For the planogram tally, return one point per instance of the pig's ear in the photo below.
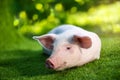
(84, 41)
(46, 40)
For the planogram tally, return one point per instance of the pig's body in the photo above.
(70, 46)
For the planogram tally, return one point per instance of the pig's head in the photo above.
(66, 51)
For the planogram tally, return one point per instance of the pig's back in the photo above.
(63, 28)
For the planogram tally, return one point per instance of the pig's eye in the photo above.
(68, 48)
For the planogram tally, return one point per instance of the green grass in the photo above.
(27, 62)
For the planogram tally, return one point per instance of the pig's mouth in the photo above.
(61, 66)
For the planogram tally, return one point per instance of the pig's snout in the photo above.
(50, 64)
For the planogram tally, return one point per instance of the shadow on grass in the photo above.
(24, 63)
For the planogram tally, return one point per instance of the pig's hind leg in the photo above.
(97, 55)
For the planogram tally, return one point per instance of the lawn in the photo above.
(27, 62)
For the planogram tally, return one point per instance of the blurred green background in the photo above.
(36, 17)
(25, 18)
(21, 57)
(39, 16)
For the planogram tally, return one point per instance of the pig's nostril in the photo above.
(49, 64)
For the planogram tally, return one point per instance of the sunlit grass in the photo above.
(28, 63)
